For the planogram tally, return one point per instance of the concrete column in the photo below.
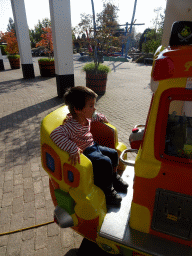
(1, 62)
(60, 13)
(176, 10)
(22, 33)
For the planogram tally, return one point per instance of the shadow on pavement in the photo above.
(29, 112)
(114, 67)
(22, 134)
(15, 84)
(88, 247)
(72, 252)
(6, 70)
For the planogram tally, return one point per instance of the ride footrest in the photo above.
(62, 218)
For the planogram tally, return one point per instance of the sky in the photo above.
(39, 9)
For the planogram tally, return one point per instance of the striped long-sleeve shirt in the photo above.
(72, 136)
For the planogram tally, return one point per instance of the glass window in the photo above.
(50, 162)
(179, 130)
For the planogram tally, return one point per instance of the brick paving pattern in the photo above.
(24, 192)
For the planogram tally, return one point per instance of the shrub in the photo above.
(11, 40)
(13, 56)
(45, 60)
(3, 51)
(101, 69)
(47, 40)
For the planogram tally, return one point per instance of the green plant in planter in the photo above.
(47, 67)
(96, 73)
(92, 68)
(96, 77)
(14, 61)
(46, 60)
(16, 56)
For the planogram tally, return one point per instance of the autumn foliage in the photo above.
(11, 40)
(47, 40)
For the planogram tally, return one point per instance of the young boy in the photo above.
(74, 136)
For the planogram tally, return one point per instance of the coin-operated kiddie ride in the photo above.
(155, 217)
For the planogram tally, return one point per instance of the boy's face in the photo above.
(89, 108)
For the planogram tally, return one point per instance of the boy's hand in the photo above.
(75, 158)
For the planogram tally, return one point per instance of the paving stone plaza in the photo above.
(24, 192)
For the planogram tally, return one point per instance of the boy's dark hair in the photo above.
(76, 97)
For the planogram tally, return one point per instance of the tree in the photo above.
(86, 23)
(153, 41)
(107, 30)
(108, 27)
(84, 30)
(47, 40)
(153, 36)
(108, 17)
(35, 34)
(137, 39)
(2, 38)
(143, 38)
(11, 40)
(11, 26)
(158, 22)
(32, 38)
(73, 34)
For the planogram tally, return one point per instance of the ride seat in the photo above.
(63, 175)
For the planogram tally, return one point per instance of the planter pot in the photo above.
(14, 63)
(47, 68)
(96, 82)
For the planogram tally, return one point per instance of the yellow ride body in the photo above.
(87, 201)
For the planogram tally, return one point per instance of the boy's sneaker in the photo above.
(119, 184)
(112, 198)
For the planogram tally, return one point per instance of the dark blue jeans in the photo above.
(104, 160)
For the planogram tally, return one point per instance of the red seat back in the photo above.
(103, 134)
